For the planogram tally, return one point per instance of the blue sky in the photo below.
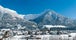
(63, 7)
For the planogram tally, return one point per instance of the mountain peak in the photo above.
(49, 12)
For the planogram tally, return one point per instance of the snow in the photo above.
(31, 16)
(50, 26)
(44, 37)
(19, 36)
(5, 29)
(64, 36)
(73, 34)
(11, 12)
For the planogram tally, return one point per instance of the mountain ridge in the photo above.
(11, 19)
(52, 18)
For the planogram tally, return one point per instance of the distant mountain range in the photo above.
(50, 17)
(11, 19)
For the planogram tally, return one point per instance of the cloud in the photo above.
(11, 12)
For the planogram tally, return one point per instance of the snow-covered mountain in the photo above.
(31, 16)
(11, 19)
(50, 17)
(6, 11)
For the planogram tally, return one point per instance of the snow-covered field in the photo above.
(46, 37)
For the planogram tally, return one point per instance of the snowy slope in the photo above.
(11, 19)
(31, 16)
(10, 12)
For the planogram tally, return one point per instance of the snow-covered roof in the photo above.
(19, 36)
(50, 26)
(5, 29)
